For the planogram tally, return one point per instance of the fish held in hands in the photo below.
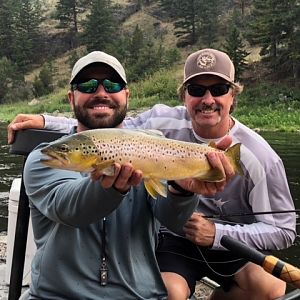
(159, 158)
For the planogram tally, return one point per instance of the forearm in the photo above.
(258, 235)
(61, 124)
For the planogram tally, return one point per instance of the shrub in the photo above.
(162, 85)
(43, 83)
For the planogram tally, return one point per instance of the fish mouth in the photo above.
(57, 159)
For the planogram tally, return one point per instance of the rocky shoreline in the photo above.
(3, 243)
(3, 287)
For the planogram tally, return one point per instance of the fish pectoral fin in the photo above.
(107, 167)
(213, 175)
(155, 187)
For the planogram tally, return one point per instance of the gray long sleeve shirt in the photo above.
(67, 210)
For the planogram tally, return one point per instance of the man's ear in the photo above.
(71, 99)
(127, 96)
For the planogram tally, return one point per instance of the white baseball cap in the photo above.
(98, 57)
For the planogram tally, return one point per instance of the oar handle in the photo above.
(282, 270)
(270, 264)
(242, 250)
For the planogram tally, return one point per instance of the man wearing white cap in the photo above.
(209, 94)
(96, 236)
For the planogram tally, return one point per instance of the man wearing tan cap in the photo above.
(209, 94)
(96, 235)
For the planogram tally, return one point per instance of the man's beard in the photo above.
(100, 120)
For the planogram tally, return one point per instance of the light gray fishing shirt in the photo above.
(264, 186)
(67, 211)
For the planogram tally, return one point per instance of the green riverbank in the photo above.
(271, 118)
(265, 106)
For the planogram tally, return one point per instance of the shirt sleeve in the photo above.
(61, 124)
(174, 211)
(270, 231)
(258, 235)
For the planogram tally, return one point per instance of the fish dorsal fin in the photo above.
(234, 154)
(107, 167)
(152, 132)
(155, 187)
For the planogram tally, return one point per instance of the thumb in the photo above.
(224, 143)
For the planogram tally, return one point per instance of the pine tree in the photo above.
(12, 83)
(241, 5)
(209, 24)
(275, 28)
(290, 53)
(235, 48)
(26, 28)
(193, 19)
(67, 12)
(136, 43)
(184, 15)
(268, 26)
(7, 34)
(100, 27)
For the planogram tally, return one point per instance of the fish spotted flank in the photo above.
(159, 158)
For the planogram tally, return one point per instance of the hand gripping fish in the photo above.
(159, 158)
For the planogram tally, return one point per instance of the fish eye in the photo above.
(64, 148)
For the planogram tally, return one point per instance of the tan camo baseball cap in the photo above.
(209, 61)
(98, 57)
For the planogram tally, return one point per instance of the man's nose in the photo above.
(207, 97)
(101, 91)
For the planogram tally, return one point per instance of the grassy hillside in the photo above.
(264, 107)
(258, 105)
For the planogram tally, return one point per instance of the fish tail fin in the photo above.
(234, 154)
(155, 187)
(213, 175)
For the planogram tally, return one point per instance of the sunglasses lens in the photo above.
(91, 86)
(112, 87)
(216, 90)
(196, 90)
(88, 87)
(219, 89)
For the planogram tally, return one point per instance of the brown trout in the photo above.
(159, 158)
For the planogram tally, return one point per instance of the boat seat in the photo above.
(25, 142)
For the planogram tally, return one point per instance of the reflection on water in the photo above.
(10, 168)
(287, 145)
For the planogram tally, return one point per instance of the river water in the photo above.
(287, 145)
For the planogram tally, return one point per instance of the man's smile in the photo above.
(207, 109)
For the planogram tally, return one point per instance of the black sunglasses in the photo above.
(216, 90)
(91, 86)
